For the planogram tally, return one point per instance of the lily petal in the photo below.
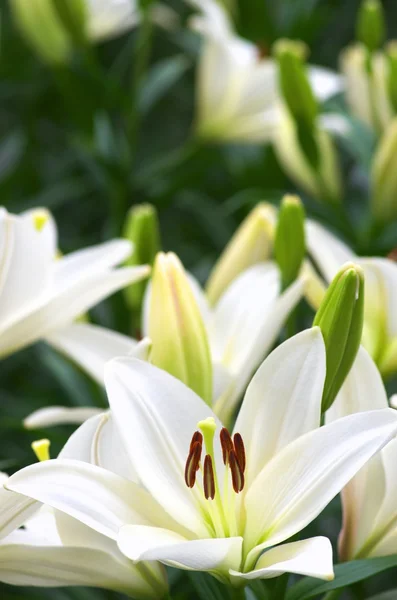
(283, 400)
(248, 324)
(78, 266)
(328, 252)
(14, 509)
(59, 415)
(98, 442)
(66, 306)
(25, 560)
(98, 498)
(302, 479)
(25, 283)
(362, 497)
(312, 557)
(151, 543)
(91, 346)
(156, 416)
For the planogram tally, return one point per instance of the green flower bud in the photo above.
(51, 27)
(142, 229)
(384, 176)
(73, 16)
(340, 318)
(252, 243)
(294, 82)
(370, 27)
(391, 57)
(289, 246)
(323, 182)
(179, 339)
(298, 95)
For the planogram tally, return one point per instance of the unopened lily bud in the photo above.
(370, 28)
(73, 15)
(179, 339)
(323, 182)
(340, 318)
(298, 95)
(384, 176)
(142, 229)
(368, 93)
(252, 243)
(289, 245)
(294, 81)
(51, 27)
(391, 57)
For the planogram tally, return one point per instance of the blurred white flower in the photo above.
(253, 498)
(238, 96)
(109, 18)
(40, 293)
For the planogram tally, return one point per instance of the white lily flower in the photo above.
(238, 92)
(218, 513)
(380, 320)
(40, 293)
(369, 508)
(241, 329)
(55, 550)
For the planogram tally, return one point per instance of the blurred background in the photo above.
(94, 137)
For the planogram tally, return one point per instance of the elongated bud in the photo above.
(142, 229)
(323, 182)
(391, 83)
(252, 243)
(289, 246)
(294, 81)
(73, 16)
(384, 176)
(340, 318)
(51, 27)
(179, 339)
(370, 27)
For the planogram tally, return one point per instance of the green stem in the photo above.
(238, 593)
(142, 55)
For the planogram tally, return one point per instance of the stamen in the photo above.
(208, 478)
(239, 450)
(197, 437)
(40, 218)
(192, 464)
(226, 443)
(41, 448)
(237, 473)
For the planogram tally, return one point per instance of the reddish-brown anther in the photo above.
(192, 464)
(208, 478)
(240, 451)
(197, 437)
(226, 443)
(237, 473)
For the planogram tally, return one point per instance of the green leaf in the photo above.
(389, 595)
(345, 574)
(160, 80)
